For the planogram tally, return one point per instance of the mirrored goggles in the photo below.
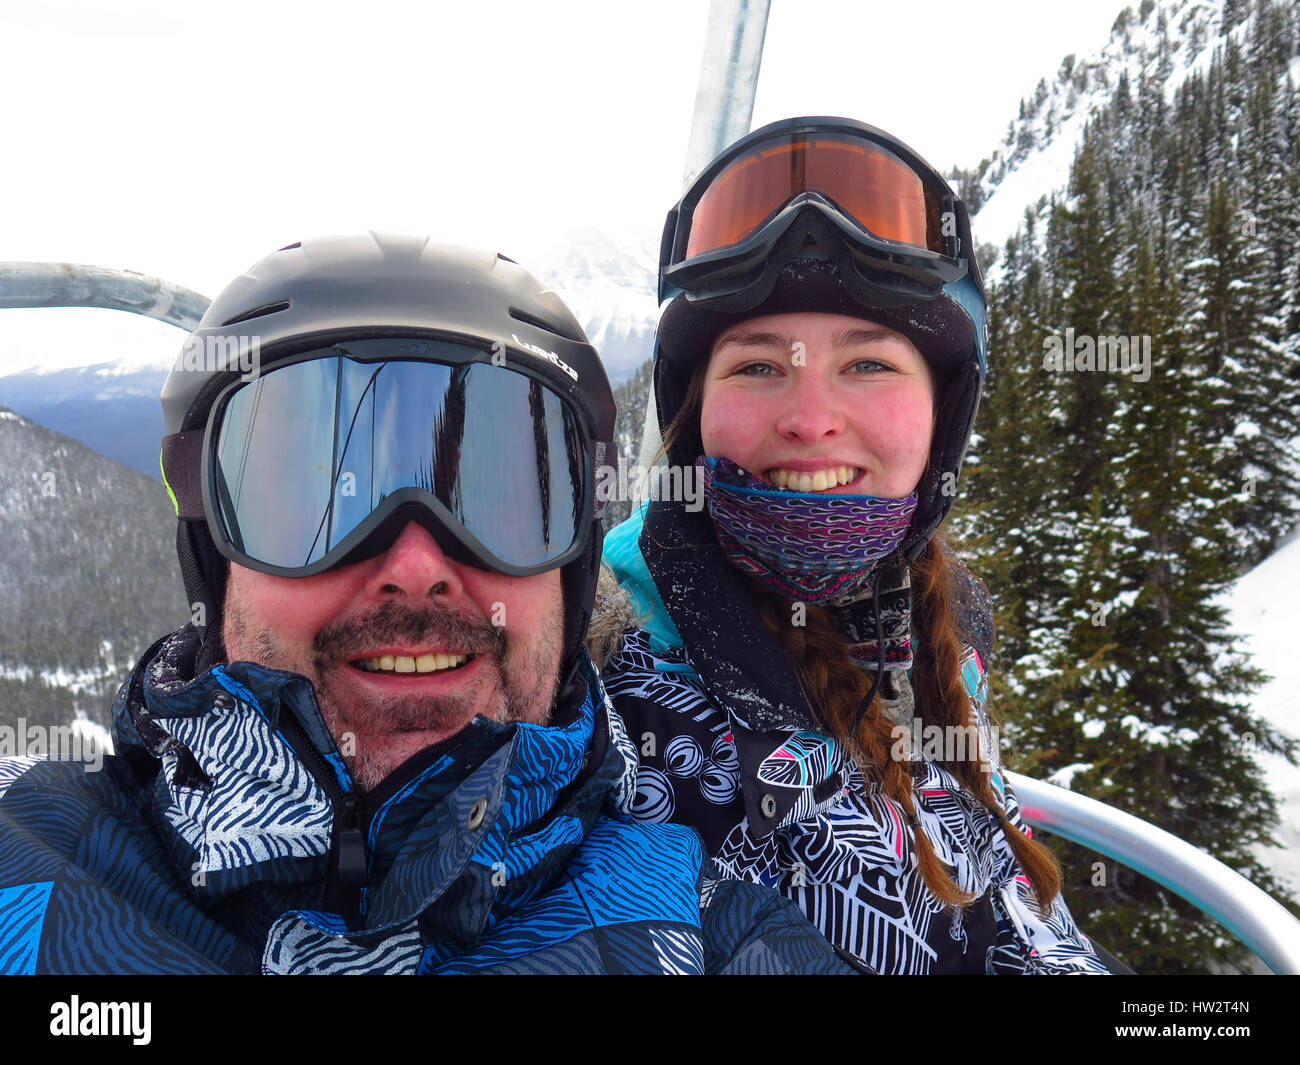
(312, 461)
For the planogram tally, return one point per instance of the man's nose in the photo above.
(811, 411)
(414, 567)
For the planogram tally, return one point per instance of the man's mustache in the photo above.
(440, 627)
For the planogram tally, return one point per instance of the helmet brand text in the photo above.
(549, 356)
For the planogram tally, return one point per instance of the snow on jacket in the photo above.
(729, 746)
(226, 836)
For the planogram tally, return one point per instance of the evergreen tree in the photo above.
(1250, 399)
(1172, 748)
(1112, 512)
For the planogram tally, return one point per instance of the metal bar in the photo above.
(724, 106)
(1250, 914)
(724, 97)
(76, 285)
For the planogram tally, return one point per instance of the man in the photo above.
(380, 746)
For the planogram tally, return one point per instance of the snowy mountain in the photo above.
(112, 412)
(88, 573)
(609, 284)
(1165, 42)
(92, 374)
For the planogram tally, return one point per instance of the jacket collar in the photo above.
(481, 818)
(748, 671)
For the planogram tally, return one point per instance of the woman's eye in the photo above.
(870, 366)
(755, 369)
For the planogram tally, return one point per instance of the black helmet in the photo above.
(334, 290)
(807, 251)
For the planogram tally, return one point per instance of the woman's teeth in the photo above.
(431, 663)
(816, 481)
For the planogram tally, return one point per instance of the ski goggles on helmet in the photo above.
(324, 457)
(864, 198)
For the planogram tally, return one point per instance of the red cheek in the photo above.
(901, 425)
(730, 425)
(302, 607)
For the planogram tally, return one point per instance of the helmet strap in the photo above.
(204, 571)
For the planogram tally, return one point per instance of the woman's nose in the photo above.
(811, 411)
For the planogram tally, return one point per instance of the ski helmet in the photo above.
(390, 312)
(830, 215)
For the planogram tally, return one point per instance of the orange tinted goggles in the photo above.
(875, 188)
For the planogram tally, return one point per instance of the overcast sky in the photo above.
(188, 139)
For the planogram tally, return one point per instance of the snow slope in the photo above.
(1034, 160)
(1265, 608)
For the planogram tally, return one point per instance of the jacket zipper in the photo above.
(348, 863)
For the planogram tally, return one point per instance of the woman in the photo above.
(807, 685)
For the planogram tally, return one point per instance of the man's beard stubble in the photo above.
(529, 676)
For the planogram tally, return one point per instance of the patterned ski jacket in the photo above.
(729, 746)
(226, 836)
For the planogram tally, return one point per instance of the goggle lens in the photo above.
(877, 189)
(308, 451)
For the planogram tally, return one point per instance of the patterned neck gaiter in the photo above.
(808, 546)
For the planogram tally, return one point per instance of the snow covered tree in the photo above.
(1113, 511)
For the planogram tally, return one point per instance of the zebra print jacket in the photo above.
(225, 835)
(729, 746)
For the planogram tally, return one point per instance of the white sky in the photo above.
(188, 139)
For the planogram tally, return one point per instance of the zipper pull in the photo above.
(352, 844)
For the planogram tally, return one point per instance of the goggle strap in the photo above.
(606, 455)
(181, 463)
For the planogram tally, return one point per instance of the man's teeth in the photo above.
(816, 481)
(431, 663)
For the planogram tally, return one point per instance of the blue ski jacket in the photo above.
(226, 836)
